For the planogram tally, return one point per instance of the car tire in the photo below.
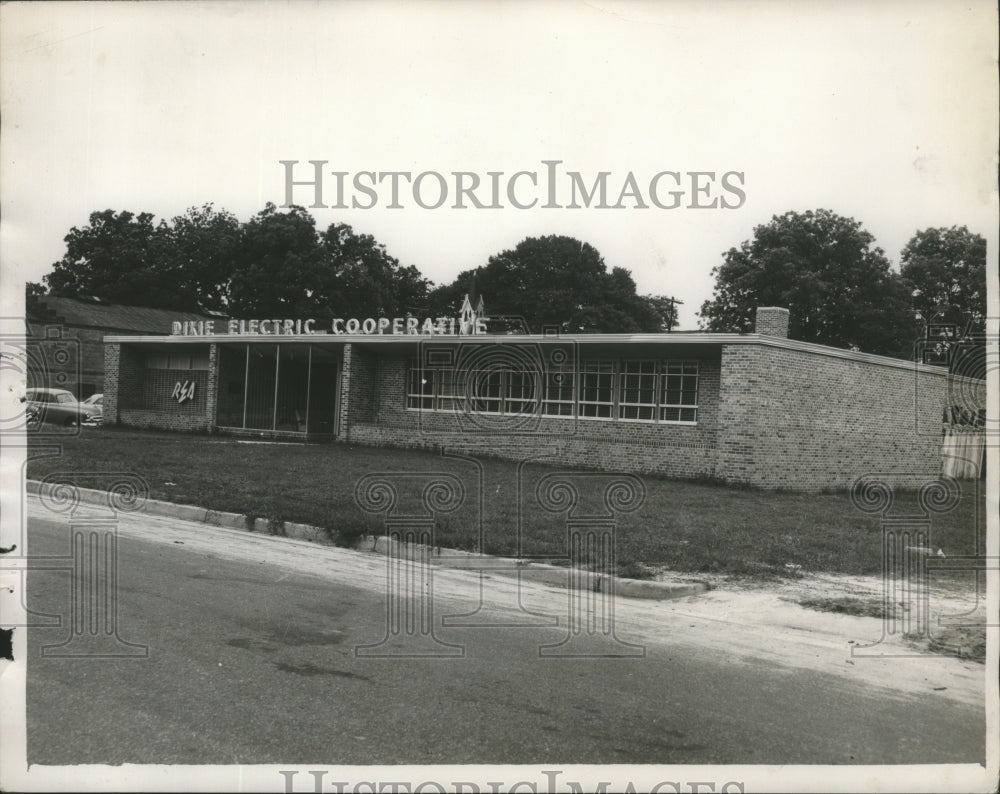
(70, 422)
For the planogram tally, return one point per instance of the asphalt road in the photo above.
(251, 659)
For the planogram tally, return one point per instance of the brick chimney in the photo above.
(772, 320)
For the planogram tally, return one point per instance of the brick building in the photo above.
(757, 408)
(65, 338)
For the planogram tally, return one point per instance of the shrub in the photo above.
(347, 535)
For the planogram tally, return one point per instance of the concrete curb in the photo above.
(542, 573)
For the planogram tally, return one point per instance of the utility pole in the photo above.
(673, 311)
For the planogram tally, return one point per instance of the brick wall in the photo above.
(126, 366)
(160, 420)
(112, 354)
(212, 386)
(158, 386)
(806, 420)
(767, 416)
(772, 321)
(359, 395)
(379, 417)
(141, 397)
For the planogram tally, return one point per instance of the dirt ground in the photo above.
(956, 614)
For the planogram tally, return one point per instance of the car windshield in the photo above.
(64, 397)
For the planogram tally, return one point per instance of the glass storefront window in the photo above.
(286, 388)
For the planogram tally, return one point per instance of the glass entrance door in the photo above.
(282, 388)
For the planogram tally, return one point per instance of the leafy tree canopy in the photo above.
(280, 270)
(369, 277)
(126, 258)
(274, 265)
(826, 270)
(946, 270)
(553, 282)
(118, 256)
(201, 255)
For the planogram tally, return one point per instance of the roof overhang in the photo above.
(388, 342)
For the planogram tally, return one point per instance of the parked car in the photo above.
(96, 400)
(60, 407)
(32, 418)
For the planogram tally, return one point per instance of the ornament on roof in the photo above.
(472, 321)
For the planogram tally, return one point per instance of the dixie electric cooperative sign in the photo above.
(430, 326)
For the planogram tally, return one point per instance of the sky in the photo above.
(885, 112)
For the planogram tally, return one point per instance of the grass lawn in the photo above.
(686, 526)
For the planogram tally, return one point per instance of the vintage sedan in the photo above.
(60, 407)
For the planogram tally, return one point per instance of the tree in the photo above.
(369, 281)
(285, 269)
(201, 256)
(279, 270)
(275, 265)
(126, 258)
(119, 257)
(946, 270)
(826, 270)
(555, 282)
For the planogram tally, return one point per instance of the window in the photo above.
(492, 390)
(559, 391)
(679, 394)
(188, 359)
(597, 388)
(635, 390)
(521, 392)
(449, 389)
(420, 392)
(485, 391)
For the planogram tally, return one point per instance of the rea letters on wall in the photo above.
(183, 391)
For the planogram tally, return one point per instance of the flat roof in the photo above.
(685, 339)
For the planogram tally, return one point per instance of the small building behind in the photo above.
(65, 338)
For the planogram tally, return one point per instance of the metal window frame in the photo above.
(679, 407)
(585, 370)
